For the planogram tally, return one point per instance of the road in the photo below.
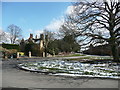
(14, 77)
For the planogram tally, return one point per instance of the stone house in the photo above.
(34, 45)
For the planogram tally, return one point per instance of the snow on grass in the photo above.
(74, 68)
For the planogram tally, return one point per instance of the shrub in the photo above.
(11, 46)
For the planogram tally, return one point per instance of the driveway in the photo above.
(14, 77)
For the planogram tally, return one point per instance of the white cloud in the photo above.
(69, 10)
(34, 32)
(55, 24)
(30, 30)
(38, 32)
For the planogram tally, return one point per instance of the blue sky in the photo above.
(32, 16)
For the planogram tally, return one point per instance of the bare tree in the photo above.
(97, 21)
(15, 33)
(3, 37)
(50, 35)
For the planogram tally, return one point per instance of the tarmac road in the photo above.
(14, 77)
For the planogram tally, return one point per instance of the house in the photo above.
(34, 45)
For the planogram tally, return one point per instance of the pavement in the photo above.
(13, 77)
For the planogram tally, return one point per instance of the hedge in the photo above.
(11, 46)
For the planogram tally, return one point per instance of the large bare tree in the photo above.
(96, 22)
(15, 33)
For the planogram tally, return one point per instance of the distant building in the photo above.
(35, 45)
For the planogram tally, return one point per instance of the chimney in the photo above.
(36, 36)
(31, 35)
(41, 36)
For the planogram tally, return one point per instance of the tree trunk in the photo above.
(115, 52)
